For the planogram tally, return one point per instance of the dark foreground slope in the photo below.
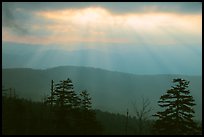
(25, 117)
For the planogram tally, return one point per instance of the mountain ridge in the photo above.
(131, 59)
(111, 91)
(102, 69)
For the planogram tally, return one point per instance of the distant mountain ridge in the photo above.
(122, 58)
(110, 91)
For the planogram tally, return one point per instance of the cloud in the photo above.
(9, 20)
(96, 24)
(56, 39)
(115, 7)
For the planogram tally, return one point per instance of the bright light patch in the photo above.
(146, 39)
(97, 24)
(103, 18)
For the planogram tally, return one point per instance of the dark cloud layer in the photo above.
(13, 20)
(9, 19)
(117, 7)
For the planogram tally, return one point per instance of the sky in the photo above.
(160, 29)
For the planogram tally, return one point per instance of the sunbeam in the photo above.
(96, 28)
(91, 60)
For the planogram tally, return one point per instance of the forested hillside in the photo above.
(111, 91)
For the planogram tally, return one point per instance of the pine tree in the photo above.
(85, 100)
(88, 122)
(63, 101)
(73, 114)
(63, 95)
(177, 117)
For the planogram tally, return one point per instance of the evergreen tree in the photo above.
(64, 101)
(63, 95)
(73, 114)
(88, 123)
(85, 100)
(177, 117)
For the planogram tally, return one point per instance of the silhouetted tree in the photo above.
(10, 92)
(142, 115)
(85, 100)
(177, 117)
(65, 95)
(74, 113)
(88, 122)
(63, 100)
